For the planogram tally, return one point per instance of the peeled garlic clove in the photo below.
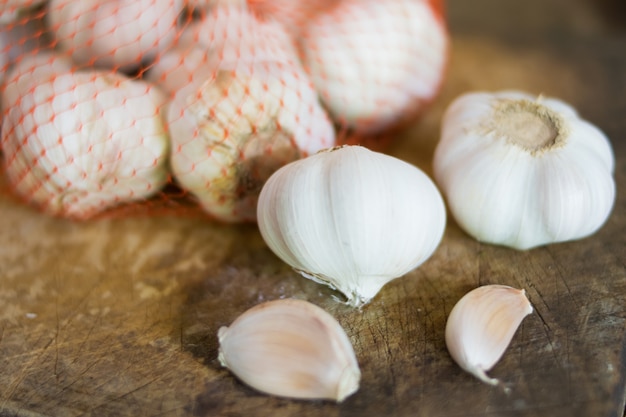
(290, 348)
(78, 142)
(351, 218)
(523, 171)
(481, 326)
(257, 112)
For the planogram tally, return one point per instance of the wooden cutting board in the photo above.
(118, 317)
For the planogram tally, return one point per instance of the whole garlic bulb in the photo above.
(523, 171)
(78, 142)
(291, 348)
(114, 33)
(376, 63)
(256, 112)
(351, 218)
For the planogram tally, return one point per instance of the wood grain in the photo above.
(118, 317)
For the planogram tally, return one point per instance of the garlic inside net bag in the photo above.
(179, 103)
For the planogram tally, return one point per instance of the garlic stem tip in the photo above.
(480, 373)
(348, 383)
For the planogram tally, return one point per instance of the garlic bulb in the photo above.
(481, 325)
(522, 171)
(291, 348)
(376, 63)
(114, 33)
(77, 142)
(351, 218)
(255, 113)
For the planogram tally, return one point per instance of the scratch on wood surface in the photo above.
(11, 409)
(21, 376)
(547, 329)
(563, 280)
(119, 397)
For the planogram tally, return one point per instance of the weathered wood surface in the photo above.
(118, 317)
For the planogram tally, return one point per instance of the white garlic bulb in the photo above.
(351, 218)
(523, 171)
(481, 326)
(255, 113)
(78, 142)
(291, 348)
(376, 62)
(114, 33)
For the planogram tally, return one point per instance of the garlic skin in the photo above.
(256, 112)
(290, 348)
(351, 218)
(481, 325)
(376, 63)
(78, 142)
(523, 171)
(114, 33)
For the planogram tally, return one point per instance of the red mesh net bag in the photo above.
(195, 103)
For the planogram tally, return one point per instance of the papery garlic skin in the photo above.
(114, 33)
(351, 218)
(78, 142)
(256, 112)
(376, 62)
(291, 348)
(481, 326)
(523, 171)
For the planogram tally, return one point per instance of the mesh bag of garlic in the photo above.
(188, 106)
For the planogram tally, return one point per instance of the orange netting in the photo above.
(187, 106)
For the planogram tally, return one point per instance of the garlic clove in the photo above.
(481, 326)
(290, 348)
